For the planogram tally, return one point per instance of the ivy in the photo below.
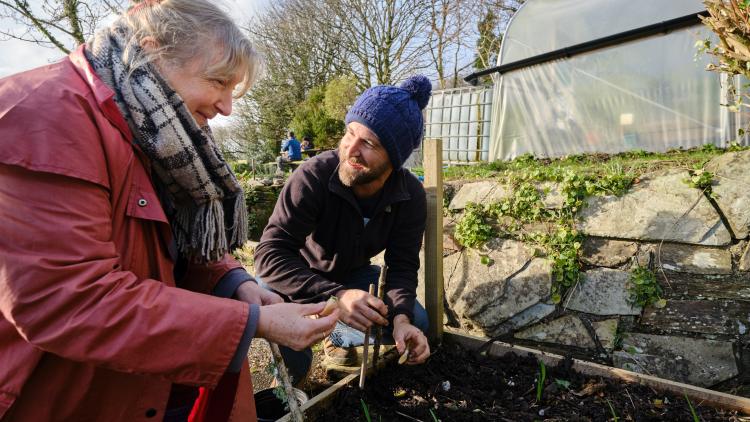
(563, 249)
(643, 288)
(525, 204)
(473, 230)
(701, 179)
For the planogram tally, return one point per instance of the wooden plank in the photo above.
(318, 403)
(684, 286)
(696, 394)
(433, 237)
(699, 316)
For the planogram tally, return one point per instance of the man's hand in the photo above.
(288, 324)
(360, 310)
(250, 292)
(406, 334)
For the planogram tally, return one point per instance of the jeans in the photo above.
(298, 363)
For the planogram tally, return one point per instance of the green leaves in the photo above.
(365, 410)
(473, 230)
(644, 289)
(524, 205)
(540, 381)
(700, 179)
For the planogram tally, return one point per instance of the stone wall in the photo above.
(260, 198)
(696, 244)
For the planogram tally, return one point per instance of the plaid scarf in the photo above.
(210, 218)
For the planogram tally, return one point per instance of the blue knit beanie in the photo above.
(394, 114)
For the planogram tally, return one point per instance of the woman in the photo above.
(117, 214)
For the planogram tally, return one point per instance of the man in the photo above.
(307, 143)
(290, 151)
(343, 207)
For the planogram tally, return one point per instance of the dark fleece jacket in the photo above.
(317, 236)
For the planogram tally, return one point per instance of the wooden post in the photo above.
(433, 237)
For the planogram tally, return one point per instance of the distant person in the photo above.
(341, 208)
(291, 150)
(307, 143)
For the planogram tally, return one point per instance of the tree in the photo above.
(449, 21)
(383, 39)
(488, 43)
(311, 119)
(61, 24)
(340, 94)
(298, 57)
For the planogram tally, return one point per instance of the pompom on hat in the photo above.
(394, 114)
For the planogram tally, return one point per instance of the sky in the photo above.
(17, 56)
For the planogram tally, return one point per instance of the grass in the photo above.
(612, 410)
(692, 410)
(540, 381)
(434, 418)
(366, 410)
(635, 162)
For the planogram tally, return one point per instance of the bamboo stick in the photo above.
(283, 376)
(379, 329)
(363, 370)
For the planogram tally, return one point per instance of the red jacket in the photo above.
(92, 326)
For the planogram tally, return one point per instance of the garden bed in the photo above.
(457, 383)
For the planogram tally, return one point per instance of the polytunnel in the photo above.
(605, 76)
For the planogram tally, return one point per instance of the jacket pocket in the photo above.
(148, 235)
(144, 204)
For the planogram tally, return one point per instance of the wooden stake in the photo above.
(433, 237)
(379, 328)
(363, 370)
(291, 398)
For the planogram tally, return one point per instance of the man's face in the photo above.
(363, 159)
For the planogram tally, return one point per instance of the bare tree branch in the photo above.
(56, 23)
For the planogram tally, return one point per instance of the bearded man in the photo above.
(341, 208)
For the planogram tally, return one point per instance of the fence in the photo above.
(461, 118)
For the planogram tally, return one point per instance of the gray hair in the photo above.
(187, 29)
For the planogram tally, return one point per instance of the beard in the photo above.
(353, 177)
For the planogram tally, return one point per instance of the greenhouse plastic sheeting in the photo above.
(652, 94)
(541, 26)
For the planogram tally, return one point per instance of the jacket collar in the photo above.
(394, 189)
(102, 93)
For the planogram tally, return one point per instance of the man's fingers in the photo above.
(377, 304)
(419, 348)
(358, 322)
(373, 316)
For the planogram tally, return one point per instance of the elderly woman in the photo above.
(118, 296)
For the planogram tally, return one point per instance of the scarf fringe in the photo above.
(206, 239)
(239, 230)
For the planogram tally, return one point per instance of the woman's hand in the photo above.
(288, 324)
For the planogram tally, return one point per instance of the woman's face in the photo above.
(204, 96)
